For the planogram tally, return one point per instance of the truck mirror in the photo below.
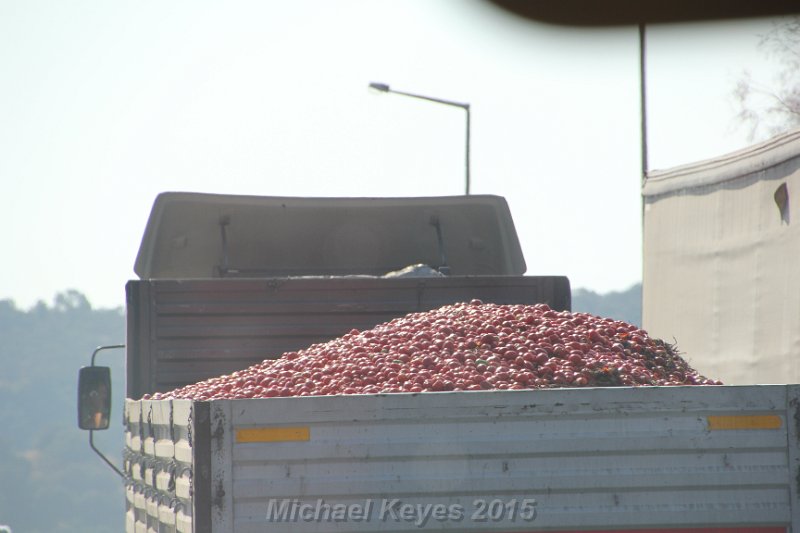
(94, 397)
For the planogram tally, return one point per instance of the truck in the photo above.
(227, 281)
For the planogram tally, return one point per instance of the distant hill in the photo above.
(52, 481)
(624, 305)
(59, 484)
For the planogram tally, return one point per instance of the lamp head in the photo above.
(382, 87)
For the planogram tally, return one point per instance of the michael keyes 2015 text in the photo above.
(395, 510)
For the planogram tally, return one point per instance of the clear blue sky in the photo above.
(105, 104)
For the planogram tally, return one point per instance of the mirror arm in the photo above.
(91, 431)
(101, 348)
(102, 456)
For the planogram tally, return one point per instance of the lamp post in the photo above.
(382, 87)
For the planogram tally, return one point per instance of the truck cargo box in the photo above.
(228, 281)
(699, 459)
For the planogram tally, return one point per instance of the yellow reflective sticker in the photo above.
(745, 422)
(279, 434)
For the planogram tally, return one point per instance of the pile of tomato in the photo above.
(463, 347)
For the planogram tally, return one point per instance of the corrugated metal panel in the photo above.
(641, 458)
(181, 332)
(619, 458)
(594, 458)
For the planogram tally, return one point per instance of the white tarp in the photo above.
(722, 262)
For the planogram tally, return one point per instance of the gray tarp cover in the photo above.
(721, 254)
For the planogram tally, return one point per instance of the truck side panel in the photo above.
(649, 458)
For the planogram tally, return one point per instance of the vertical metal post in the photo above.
(643, 97)
(466, 108)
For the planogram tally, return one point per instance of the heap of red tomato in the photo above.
(463, 347)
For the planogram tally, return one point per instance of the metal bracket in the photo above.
(224, 267)
(436, 223)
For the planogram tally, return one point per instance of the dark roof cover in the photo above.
(632, 12)
(193, 235)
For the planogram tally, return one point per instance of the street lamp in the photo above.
(384, 88)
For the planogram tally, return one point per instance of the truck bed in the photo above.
(185, 331)
(721, 458)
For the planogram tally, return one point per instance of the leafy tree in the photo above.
(45, 461)
(71, 300)
(769, 109)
